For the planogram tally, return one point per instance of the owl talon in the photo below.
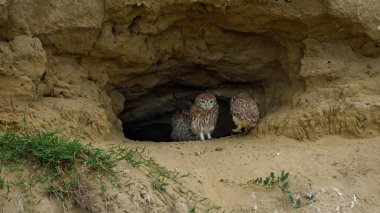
(202, 137)
(234, 134)
(237, 130)
(244, 131)
(209, 136)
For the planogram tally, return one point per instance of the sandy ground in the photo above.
(344, 173)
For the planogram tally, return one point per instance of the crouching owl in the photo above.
(245, 112)
(203, 115)
(181, 129)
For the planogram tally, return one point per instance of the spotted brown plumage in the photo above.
(245, 112)
(203, 115)
(181, 129)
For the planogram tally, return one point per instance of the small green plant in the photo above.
(196, 199)
(163, 172)
(131, 156)
(158, 182)
(282, 180)
(192, 210)
(271, 180)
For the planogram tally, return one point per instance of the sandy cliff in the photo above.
(313, 66)
(96, 67)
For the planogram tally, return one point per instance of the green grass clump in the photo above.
(65, 165)
(67, 168)
(52, 152)
(60, 163)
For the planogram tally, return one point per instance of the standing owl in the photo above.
(245, 112)
(181, 129)
(203, 115)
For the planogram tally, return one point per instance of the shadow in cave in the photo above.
(157, 127)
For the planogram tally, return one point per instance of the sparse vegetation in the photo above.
(66, 167)
(55, 154)
(158, 182)
(282, 180)
(196, 199)
(60, 162)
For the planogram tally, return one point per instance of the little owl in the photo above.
(203, 115)
(245, 112)
(181, 130)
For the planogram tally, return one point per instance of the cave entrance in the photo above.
(156, 124)
(148, 112)
(195, 55)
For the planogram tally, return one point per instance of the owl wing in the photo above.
(181, 128)
(245, 109)
(215, 112)
(193, 113)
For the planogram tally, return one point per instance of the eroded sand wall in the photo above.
(71, 64)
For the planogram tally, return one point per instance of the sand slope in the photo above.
(336, 168)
